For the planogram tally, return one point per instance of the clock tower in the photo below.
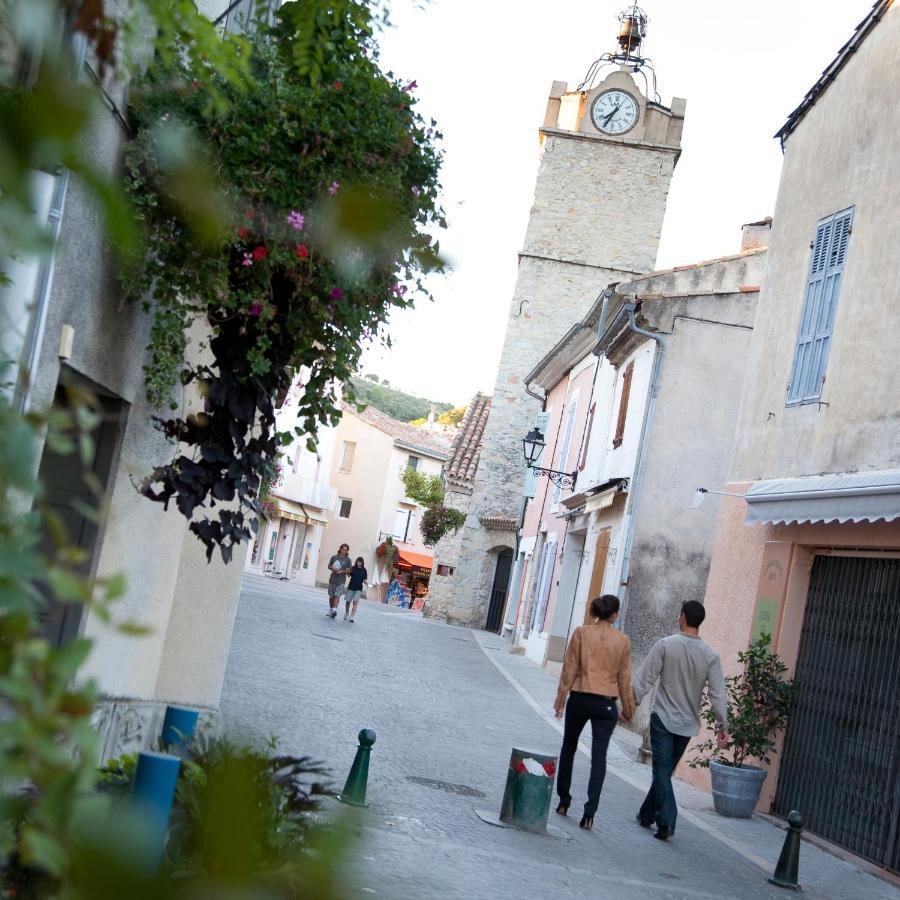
(608, 149)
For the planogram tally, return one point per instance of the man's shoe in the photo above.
(334, 614)
(662, 833)
(643, 822)
(351, 618)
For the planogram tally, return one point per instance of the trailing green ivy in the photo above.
(328, 183)
(438, 520)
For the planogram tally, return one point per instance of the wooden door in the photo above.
(600, 553)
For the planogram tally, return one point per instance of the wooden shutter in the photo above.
(623, 404)
(601, 552)
(563, 463)
(823, 287)
(586, 440)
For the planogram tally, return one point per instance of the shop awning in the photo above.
(287, 509)
(416, 559)
(861, 497)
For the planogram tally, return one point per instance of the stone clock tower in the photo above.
(607, 153)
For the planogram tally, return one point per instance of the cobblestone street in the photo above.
(447, 705)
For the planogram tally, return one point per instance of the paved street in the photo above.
(447, 705)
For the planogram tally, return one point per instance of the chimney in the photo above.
(755, 235)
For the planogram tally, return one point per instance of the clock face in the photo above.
(615, 112)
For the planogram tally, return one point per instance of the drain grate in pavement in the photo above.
(328, 637)
(447, 786)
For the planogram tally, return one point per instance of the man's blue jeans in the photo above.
(667, 748)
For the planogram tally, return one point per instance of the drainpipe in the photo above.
(637, 480)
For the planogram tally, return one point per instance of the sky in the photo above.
(484, 70)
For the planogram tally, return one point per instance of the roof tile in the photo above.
(466, 449)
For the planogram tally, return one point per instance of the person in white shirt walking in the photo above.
(683, 665)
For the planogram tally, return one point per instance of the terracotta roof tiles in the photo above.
(410, 436)
(466, 449)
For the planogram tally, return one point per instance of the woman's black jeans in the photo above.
(603, 715)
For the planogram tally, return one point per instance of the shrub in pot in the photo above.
(759, 701)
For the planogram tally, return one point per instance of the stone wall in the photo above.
(442, 588)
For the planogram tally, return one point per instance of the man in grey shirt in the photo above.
(684, 665)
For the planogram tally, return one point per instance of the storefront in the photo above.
(287, 546)
(409, 586)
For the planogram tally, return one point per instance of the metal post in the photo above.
(153, 792)
(529, 790)
(788, 867)
(354, 793)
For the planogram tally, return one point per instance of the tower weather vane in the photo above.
(632, 31)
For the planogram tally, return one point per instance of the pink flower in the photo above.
(296, 220)
(256, 309)
(247, 260)
(302, 251)
(260, 252)
(397, 289)
(243, 233)
(334, 187)
(411, 86)
(336, 294)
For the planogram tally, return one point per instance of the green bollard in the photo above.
(788, 867)
(354, 793)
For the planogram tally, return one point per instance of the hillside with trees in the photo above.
(395, 403)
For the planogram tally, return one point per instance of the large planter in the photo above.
(735, 790)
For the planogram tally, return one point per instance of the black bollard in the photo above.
(789, 862)
(354, 793)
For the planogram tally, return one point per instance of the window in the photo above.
(623, 404)
(445, 570)
(344, 508)
(347, 454)
(401, 523)
(413, 463)
(823, 286)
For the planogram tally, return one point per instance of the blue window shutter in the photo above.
(817, 318)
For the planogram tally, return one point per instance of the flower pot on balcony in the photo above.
(735, 789)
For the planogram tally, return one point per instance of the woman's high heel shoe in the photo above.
(562, 809)
(587, 823)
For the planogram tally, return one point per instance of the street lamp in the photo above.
(532, 447)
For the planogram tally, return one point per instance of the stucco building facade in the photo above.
(807, 543)
(75, 330)
(371, 450)
(642, 397)
(598, 208)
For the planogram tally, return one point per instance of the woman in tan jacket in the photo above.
(596, 673)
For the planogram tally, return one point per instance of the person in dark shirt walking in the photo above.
(339, 565)
(358, 580)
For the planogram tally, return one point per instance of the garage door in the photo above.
(841, 765)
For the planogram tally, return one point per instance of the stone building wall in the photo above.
(596, 219)
(442, 588)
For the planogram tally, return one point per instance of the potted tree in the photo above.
(759, 701)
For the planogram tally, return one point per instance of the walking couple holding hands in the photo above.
(597, 672)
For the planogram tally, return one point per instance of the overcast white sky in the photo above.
(484, 70)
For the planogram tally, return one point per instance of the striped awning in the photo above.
(298, 512)
(860, 497)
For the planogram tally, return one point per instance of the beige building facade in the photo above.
(807, 544)
(371, 450)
